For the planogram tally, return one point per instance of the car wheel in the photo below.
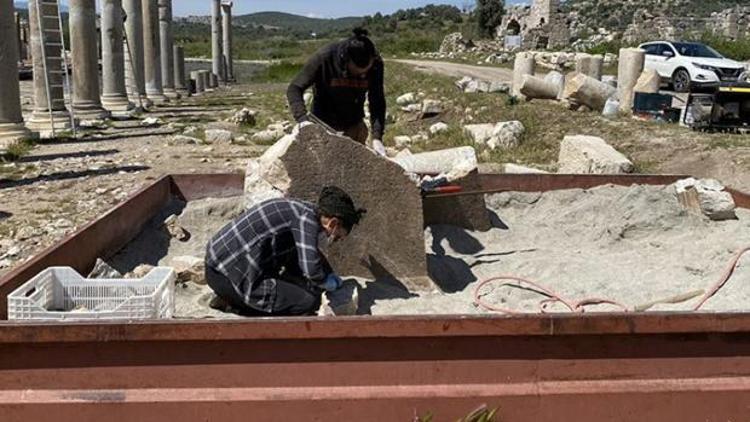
(681, 80)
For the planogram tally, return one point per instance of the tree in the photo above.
(489, 14)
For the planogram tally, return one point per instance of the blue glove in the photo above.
(332, 283)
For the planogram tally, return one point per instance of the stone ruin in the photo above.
(541, 25)
(733, 23)
(153, 73)
(648, 27)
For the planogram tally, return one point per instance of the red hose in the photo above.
(553, 297)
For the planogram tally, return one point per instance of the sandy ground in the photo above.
(633, 245)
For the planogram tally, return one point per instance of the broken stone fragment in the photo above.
(406, 99)
(140, 271)
(402, 141)
(244, 117)
(219, 136)
(438, 128)
(649, 82)
(591, 155)
(184, 140)
(151, 122)
(588, 91)
(431, 108)
(506, 135)
(707, 197)
(103, 270)
(175, 230)
(412, 108)
(479, 133)
(189, 269)
(511, 168)
(502, 135)
(463, 82)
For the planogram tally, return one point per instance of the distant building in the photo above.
(541, 25)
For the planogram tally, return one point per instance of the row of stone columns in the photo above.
(140, 63)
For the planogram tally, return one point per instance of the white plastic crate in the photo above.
(60, 293)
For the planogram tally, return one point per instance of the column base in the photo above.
(12, 132)
(157, 98)
(40, 122)
(117, 103)
(89, 111)
(172, 94)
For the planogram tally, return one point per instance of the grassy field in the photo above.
(546, 122)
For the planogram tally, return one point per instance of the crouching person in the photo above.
(268, 262)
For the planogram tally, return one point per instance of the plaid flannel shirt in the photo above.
(251, 250)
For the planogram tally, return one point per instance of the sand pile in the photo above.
(633, 245)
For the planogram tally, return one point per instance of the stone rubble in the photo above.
(591, 155)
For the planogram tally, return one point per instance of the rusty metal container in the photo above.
(603, 367)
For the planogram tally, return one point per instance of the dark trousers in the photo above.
(292, 299)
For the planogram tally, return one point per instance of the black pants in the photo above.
(292, 299)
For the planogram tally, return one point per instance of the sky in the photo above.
(311, 8)
(314, 8)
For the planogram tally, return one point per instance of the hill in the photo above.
(298, 25)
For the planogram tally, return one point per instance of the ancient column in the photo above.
(206, 79)
(167, 56)
(17, 19)
(11, 121)
(524, 65)
(197, 79)
(228, 62)
(178, 56)
(83, 50)
(590, 65)
(216, 49)
(134, 78)
(114, 94)
(44, 118)
(629, 70)
(152, 52)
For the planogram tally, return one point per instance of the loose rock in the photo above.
(591, 155)
(438, 128)
(219, 136)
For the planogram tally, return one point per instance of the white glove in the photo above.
(378, 146)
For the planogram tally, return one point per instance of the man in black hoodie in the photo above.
(342, 75)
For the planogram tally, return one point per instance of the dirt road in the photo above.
(458, 70)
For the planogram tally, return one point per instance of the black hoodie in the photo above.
(338, 97)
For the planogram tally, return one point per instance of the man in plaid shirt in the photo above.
(267, 261)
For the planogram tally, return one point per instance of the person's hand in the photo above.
(378, 146)
(332, 283)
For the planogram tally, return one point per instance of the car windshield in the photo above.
(697, 50)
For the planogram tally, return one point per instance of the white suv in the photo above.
(690, 65)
